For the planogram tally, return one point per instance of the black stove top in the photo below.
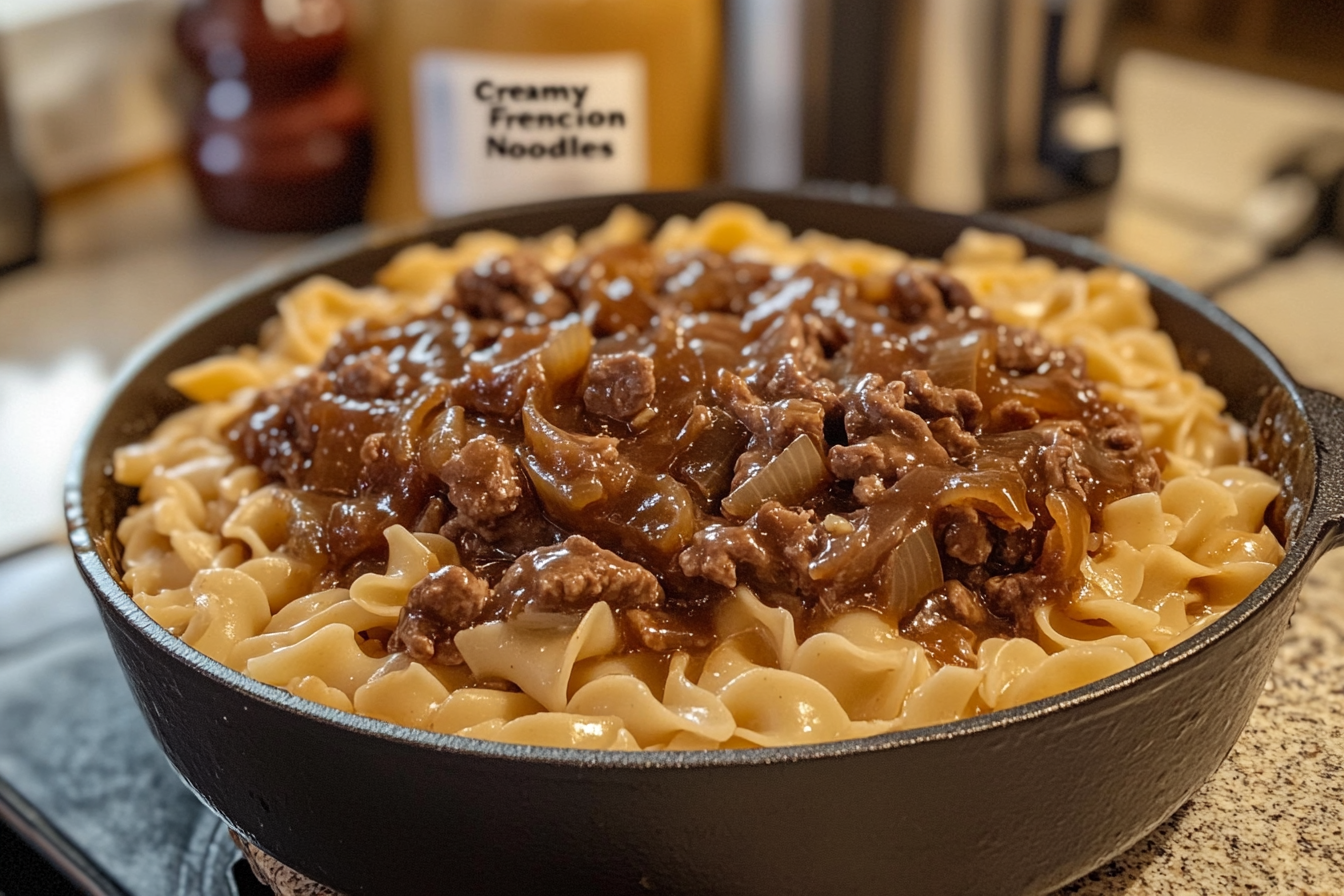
(88, 803)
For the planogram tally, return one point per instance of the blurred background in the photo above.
(152, 149)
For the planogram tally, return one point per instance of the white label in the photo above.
(496, 129)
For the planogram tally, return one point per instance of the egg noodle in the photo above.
(204, 552)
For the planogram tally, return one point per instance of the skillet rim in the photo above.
(334, 248)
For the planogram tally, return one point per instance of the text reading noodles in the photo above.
(506, 116)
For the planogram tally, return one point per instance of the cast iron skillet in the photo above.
(1020, 801)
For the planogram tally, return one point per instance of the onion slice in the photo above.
(788, 478)
(1066, 542)
(565, 354)
(707, 463)
(955, 362)
(912, 570)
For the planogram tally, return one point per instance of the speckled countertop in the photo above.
(1270, 820)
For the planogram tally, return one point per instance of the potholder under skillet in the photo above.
(75, 752)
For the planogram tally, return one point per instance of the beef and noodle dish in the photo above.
(713, 486)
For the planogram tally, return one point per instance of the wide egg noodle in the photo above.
(401, 692)
(947, 696)
(331, 654)
(411, 557)
(231, 608)
(538, 654)
(205, 552)
(310, 687)
(1064, 671)
(744, 612)
(314, 612)
(870, 684)
(683, 707)
(557, 729)
(469, 706)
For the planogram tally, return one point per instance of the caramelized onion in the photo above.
(707, 463)
(955, 362)
(566, 353)
(587, 486)
(570, 471)
(409, 429)
(912, 570)
(1000, 493)
(445, 434)
(788, 478)
(658, 511)
(1066, 542)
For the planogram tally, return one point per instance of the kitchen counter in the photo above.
(1271, 819)
(123, 258)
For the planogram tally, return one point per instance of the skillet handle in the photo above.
(1326, 413)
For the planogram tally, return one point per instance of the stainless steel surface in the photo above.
(958, 104)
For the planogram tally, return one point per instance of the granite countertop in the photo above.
(1271, 819)
(123, 259)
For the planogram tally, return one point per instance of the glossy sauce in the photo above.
(894, 449)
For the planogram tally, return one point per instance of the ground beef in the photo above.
(932, 401)
(440, 605)
(957, 442)
(885, 441)
(777, 542)
(1012, 415)
(614, 288)
(706, 281)
(380, 467)
(1015, 597)
(886, 457)
(965, 535)
(810, 289)
(788, 362)
(717, 550)
(1016, 548)
(572, 576)
(366, 375)
(954, 292)
(785, 377)
(620, 385)
(483, 480)
(791, 535)
(1062, 462)
(511, 289)
(916, 297)
(873, 407)
(773, 425)
(1020, 350)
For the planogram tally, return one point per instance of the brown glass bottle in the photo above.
(278, 138)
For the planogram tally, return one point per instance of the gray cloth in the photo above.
(74, 748)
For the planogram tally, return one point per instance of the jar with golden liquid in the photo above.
(495, 102)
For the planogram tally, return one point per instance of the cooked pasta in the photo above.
(264, 540)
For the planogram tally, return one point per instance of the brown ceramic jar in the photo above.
(278, 138)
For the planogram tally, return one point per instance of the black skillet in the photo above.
(1020, 801)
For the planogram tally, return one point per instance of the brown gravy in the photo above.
(654, 431)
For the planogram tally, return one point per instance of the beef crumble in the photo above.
(620, 385)
(602, 476)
